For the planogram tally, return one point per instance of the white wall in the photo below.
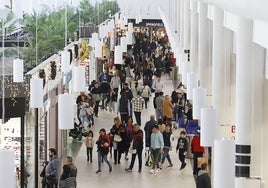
(256, 11)
(147, 8)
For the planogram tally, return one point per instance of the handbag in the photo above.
(89, 110)
(117, 138)
(132, 149)
(149, 161)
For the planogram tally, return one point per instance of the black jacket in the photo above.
(148, 131)
(105, 87)
(182, 144)
(203, 180)
(123, 105)
(166, 138)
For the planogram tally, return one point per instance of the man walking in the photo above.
(137, 147)
(159, 106)
(52, 169)
(148, 130)
(123, 107)
(73, 169)
(157, 145)
(137, 104)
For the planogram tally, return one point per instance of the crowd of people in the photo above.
(125, 90)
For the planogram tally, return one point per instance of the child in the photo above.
(182, 147)
(89, 144)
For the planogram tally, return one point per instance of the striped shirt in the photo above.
(137, 103)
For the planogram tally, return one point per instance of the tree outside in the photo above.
(50, 25)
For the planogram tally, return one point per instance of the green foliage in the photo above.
(50, 33)
(86, 11)
(51, 28)
(98, 13)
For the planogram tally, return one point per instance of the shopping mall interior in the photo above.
(212, 53)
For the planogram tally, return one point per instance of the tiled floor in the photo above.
(118, 178)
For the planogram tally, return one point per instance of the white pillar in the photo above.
(194, 37)
(218, 76)
(243, 81)
(244, 94)
(178, 17)
(224, 158)
(203, 45)
(186, 19)
(174, 14)
(181, 22)
(170, 11)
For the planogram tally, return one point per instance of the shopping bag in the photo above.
(149, 161)
(192, 127)
(201, 160)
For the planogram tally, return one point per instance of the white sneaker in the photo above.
(157, 170)
(152, 171)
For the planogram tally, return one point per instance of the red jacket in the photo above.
(104, 138)
(196, 148)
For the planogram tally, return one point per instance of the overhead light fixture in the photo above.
(118, 55)
(18, 70)
(98, 49)
(65, 61)
(192, 82)
(199, 101)
(36, 93)
(208, 126)
(65, 111)
(79, 79)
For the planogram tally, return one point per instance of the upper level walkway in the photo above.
(119, 178)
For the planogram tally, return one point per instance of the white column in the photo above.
(203, 45)
(224, 158)
(174, 14)
(178, 17)
(186, 19)
(244, 91)
(218, 75)
(181, 22)
(243, 81)
(194, 37)
(170, 11)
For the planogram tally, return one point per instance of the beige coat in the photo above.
(167, 108)
(89, 142)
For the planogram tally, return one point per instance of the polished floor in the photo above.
(169, 177)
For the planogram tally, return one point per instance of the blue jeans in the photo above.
(100, 156)
(166, 155)
(158, 113)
